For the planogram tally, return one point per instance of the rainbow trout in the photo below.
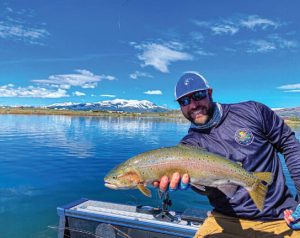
(203, 167)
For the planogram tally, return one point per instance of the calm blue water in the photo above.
(48, 161)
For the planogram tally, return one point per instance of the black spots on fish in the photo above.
(151, 168)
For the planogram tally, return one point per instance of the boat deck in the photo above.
(89, 218)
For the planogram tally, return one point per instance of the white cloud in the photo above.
(138, 74)
(108, 95)
(78, 94)
(197, 36)
(204, 53)
(269, 40)
(290, 87)
(283, 43)
(82, 78)
(160, 56)
(201, 23)
(35, 92)
(272, 42)
(23, 33)
(108, 77)
(11, 28)
(56, 85)
(231, 26)
(293, 91)
(153, 92)
(254, 21)
(175, 45)
(9, 9)
(260, 46)
(224, 29)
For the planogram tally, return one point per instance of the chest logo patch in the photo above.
(243, 136)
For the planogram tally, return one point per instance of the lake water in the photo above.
(48, 161)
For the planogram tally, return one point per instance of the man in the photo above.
(248, 133)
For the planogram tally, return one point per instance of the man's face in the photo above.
(199, 111)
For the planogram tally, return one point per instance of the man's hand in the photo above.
(292, 218)
(176, 182)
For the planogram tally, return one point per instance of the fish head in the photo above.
(122, 177)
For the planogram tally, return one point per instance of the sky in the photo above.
(89, 51)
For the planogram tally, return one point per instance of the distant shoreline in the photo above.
(47, 111)
(64, 112)
(292, 122)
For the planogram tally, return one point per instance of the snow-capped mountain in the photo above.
(112, 105)
(289, 112)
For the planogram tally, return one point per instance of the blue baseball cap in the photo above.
(190, 82)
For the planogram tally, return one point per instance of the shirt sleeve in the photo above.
(189, 139)
(283, 139)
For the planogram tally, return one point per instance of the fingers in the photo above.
(175, 181)
(164, 184)
(184, 184)
(185, 179)
(287, 216)
(156, 184)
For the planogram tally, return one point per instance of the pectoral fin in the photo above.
(144, 190)
(198, 186)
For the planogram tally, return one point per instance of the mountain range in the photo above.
(293, 112)
(140, 106)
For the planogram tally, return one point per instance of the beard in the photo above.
(201, 119)
(201, 115)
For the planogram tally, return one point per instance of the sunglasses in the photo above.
(196, 96)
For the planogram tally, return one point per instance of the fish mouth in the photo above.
(110, 185)
(115, 186)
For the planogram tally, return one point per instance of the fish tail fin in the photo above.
(258, 194)
(264, 176)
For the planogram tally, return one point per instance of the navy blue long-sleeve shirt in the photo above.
(252, 134)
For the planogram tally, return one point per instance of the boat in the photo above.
(90, 218)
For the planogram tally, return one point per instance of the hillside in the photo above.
(289, 113)
(121, 105)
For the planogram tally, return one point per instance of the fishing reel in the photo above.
(163, 213)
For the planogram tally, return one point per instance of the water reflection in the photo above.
(47, 161)
(46, 131)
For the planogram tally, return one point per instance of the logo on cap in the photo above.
(187, 81)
